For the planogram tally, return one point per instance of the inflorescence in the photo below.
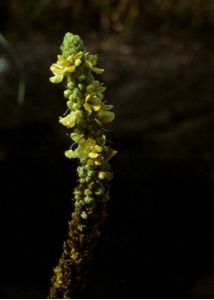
(88, 112)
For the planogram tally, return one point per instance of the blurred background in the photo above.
(158, 241)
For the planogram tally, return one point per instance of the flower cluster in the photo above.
(84, 93)
(87, 112)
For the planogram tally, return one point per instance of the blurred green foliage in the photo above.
(4, 66)
(121, 14)
(33, 9)
(111, 15)
(26, 11)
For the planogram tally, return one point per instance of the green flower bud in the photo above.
(84, 215)
(79, 204)
(69, 104)
(80, 171)
(76, 106)
(70, 85)
(100, 191)
(71, 44)
(82, 78)
(89, 200)
(88, 192)
(82, 180)
(76, 136)
(81, 86)
(88, 179)
(90, 88)
(81, 228)
(67, 93)
(104, 175)
(91, 173)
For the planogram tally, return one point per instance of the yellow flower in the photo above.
(64, 66)
(70, 153)
(88, 149)
(85, 147)
(70, 120)
(93, 155)
(92, 102)
(91, 61)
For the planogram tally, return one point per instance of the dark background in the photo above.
(158, 60)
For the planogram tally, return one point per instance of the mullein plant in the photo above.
(87, 113)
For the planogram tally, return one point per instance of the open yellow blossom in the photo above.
(92, 102)
(69, 121)
(70, 153)
(64, 66)
(88, 149)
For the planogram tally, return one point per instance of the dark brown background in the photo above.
(158, 60)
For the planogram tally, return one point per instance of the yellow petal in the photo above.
(70, 153)
(93, 101)
(96, 107)
(77, 62)
(107, 107)
(98, 148)
(84, 215)
(106, 116)
(70, 69)
(56, 78)
(90, 143)
(90, 162)
(97, 162)
(103, 175)
(57, 69)
(96, 103)
(87, 107)
(70, 58)
(68, 121)
(97, 70)
(88, 97)
(88, 64)
(93, 155)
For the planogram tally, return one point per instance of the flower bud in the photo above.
(104, 175)
(84, 215)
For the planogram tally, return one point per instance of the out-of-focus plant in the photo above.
(10, 49)
(26, 11)
(87, 113)
(33, 9)
(116, 15)
(193, 13)
(122, 14)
